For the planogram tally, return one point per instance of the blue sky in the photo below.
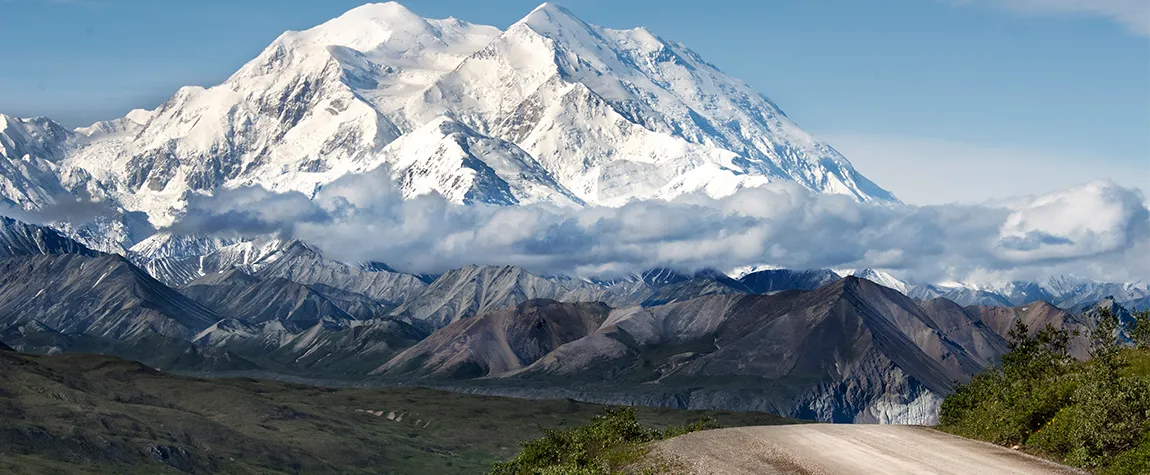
(937, 100)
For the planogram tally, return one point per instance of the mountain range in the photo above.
(1064, 291)
(806, 344)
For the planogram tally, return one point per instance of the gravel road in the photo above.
(826, 449)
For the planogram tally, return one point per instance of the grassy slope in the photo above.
(1137, 365)
(95, 414)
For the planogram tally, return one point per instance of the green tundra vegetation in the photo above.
(73, 413)
(1092, 414)
(610, 443)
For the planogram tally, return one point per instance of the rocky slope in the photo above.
(22, 239)
(201, 256)
(776, 280)
(298, 262)
(849, 351)
(500, 341)
(238, 295)
(57, 295)
(103, 296)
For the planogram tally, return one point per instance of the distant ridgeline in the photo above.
(806, 344)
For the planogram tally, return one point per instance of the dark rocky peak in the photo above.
(21, 239)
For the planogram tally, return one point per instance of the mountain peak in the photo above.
(366, 27)
(882, 278)
(549, 17)
(549, 8)
(386, 10)
(853, 284)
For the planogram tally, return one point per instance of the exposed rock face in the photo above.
(57, 295)
(299, 263)
(238, 295)
(776, 280)
(20, 239)
(1037, 316)
(849, 351)
(205, 256)
(499, 342)
(151, 348)
(104, 296)
(473, 290)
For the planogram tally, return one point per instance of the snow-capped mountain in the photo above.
(1077, 293)
(617, 115)
(176, 261)
(172, 246)
(551, 110)
(963, 294)
(29, 148)
(1067, 292)
(883, 278)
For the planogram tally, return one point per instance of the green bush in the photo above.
(1132, 462)
(705, 423)
(1140, 331)
(612, 440)
(1093, 414)
(1007, 404)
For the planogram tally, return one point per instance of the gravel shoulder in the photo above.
(828, 449)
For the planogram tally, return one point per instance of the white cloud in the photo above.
(1134, 15)
(934, 171)
(1095, 218)
(1094, 230)
(62, 208)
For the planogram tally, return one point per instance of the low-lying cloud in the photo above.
(1098, 230)
(60, 209)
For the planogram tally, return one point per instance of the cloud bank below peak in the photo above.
(1095, 230)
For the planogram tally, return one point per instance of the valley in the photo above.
(79, 413)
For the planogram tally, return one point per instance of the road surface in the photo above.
(826, 449)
